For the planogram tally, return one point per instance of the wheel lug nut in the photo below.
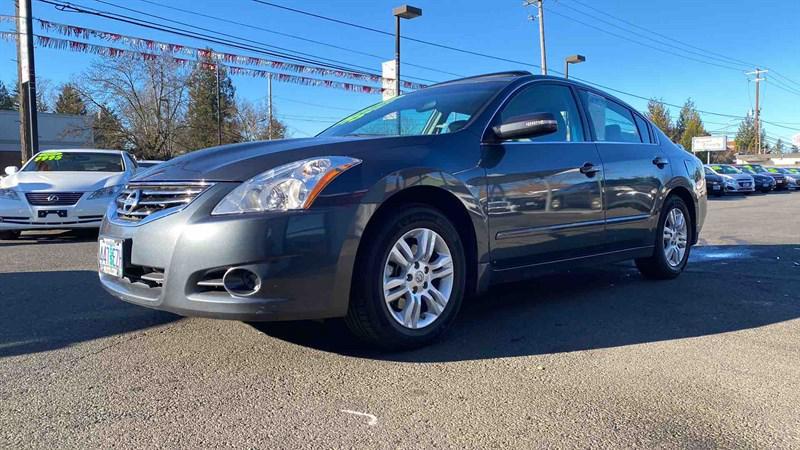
(414, 289)
(425, 285)
(409, 277)
(416, 265)
(427, 269)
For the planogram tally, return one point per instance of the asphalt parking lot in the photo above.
(591, 358)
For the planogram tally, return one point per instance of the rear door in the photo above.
(635, 168)
(544, 194)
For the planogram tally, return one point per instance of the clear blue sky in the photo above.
(764, 33)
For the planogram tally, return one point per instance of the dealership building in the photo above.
(56, 131)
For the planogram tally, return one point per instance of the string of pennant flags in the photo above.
(150, 45)
(114, 52)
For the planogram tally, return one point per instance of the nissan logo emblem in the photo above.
(131, 201)
(52, 198)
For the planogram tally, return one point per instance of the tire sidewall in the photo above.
(391, 231)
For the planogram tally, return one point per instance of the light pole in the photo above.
(401, 12)
(574, 59)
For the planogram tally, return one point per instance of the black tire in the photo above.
(368, 315)
(9, 235)
(656, 266)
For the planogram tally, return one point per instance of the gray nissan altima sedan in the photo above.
(397, 213)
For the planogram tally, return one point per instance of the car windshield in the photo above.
(437, 110)
(747, 170)
(756, 168)
(776, 170)
(727, 170)
(55, 161)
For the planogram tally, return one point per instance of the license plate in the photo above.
(716, 188)
(746, 184)
(109, 257)
(766, 184)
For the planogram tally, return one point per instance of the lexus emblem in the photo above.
(52, 198)
(131, 201)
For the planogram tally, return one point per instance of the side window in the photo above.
(550, 98)
(610, 121)
(644, 130)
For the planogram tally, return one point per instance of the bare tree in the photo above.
(147, 95)
(253, 122)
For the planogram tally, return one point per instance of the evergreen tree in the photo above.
(658, 113)
(6, 99)
(689, 125)
(778, 147)
(201, 115)
(108, 130)
(746, 141)
(69, 101)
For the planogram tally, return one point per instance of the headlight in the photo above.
(791, 179)
(8, 194)
(290, 186)
(109, 191)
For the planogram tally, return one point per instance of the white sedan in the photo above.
(62, 189)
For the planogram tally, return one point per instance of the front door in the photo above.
(544, 199)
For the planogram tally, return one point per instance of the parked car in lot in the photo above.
(763, 181)
(395, 214)
(780, 179)
(791, 180)
(736, 181)
(715, 184)
(62, 189)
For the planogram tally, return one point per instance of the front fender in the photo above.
(466, 187)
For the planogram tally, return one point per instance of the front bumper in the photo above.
(304, 260)
(21, 215)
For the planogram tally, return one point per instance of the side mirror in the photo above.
(11, 170)
(527, 126)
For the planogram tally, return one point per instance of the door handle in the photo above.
(589, 169)
(660, 162)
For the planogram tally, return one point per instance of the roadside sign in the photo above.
(709, 144)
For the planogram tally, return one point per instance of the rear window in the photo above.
(55, 161)
(610, 121)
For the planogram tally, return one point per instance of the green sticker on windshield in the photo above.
(365, 111)
(716, 167)
(48, 156)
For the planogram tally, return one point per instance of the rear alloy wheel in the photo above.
(413, 283)
(671, 252)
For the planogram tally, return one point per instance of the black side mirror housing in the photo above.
(526, 126)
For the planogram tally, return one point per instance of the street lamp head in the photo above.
(575, 59)
(407, 12)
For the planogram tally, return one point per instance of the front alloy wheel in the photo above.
(418, 278)
(409, 280)
(676, 236)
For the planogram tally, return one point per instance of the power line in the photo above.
(685, 44)
(293, 36)
(625, 38)
(386, 33)
(125, 8)
(644, 36)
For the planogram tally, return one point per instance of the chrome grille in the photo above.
(53, 198)
(139, 201)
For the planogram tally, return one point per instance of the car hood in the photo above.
(240, 162)
(740, 177)
(62, 181)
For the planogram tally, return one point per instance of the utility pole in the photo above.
(540, 15)
(269, 107)
(219, 109)
(758, 80)
(26, 71)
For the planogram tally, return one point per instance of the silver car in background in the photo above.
(735, 181)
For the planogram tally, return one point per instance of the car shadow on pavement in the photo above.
(724, 289)
(52, 237)
(44, 311)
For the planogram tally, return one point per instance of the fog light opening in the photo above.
(241, 282)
